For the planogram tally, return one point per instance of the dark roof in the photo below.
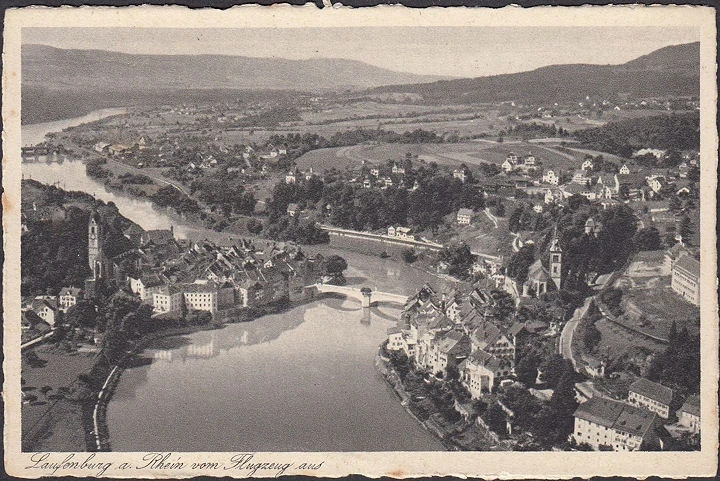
(158, 236)
(652, 390)
(73, 291)
(692, 405)
(516, 328)
(600, 410)
(689, 265)
(634, 420)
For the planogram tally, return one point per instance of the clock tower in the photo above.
(95, 245)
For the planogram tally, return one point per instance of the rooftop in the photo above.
(652, 390)
(688, 264)
(634, 420)
(692, 405)
(600, 410)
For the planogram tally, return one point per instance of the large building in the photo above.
(615, 425)
(686, 278)
(652, 396)
(689, 414)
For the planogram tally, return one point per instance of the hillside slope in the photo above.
(53, 68)
(673, 70)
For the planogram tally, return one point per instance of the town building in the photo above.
(168, 299)
(686, 278)
(480, 371)
(395, 339)
(550, 177)
(292, 209)
(652, 396)
(68, 297)
(614, 424)
(46, 308)
(689, 414)
(460, 175)
(581, 177)
(464, 216)
(398, 170)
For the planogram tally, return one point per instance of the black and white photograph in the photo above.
(481, 238)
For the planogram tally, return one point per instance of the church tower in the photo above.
(556, 262)
(95, 245)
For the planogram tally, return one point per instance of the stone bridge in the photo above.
(365, 295)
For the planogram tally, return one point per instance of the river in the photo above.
(301, 380)
(69, 174)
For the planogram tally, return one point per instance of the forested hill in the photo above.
(62, 69)
(670, 71)
(679, 132)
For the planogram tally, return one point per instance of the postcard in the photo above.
(384, 241)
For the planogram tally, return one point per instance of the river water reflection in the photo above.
(301, 380)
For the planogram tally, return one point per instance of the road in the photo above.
(491, 217)
(516, 241)
(565, 346)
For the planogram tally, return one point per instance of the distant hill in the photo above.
(673, 70)
(59, 69)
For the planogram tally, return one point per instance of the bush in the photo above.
(409, 255)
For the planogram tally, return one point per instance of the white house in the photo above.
(395, 339)
(460, 175)
(68, 297)
(624, 170)
(290, 178)
(580, 177)
(464, 216)
(613, 424)
(587, 165)
(689, 414)
(550, 177)
(652, 396)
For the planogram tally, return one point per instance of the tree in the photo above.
(459, 258)
(685, 229)
(495, 419)
(526, 370)
(520, 262)
(82, 314)
(648, 239)
(254, 226)
(553, 370)
(335, 264)
(409, 255)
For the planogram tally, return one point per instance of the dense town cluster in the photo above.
(177, 277)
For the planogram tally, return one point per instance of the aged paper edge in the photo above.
(513, 465)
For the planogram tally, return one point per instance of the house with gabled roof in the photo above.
(480, 372)
(651, 395)
(602, 422)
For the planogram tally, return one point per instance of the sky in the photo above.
(449, 51)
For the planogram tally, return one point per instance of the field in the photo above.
(451, 154)
(653, 310)
(617, 341)
(649, 303)
(61, 371)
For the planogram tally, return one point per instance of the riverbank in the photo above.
(464, 435)
(95, 415)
